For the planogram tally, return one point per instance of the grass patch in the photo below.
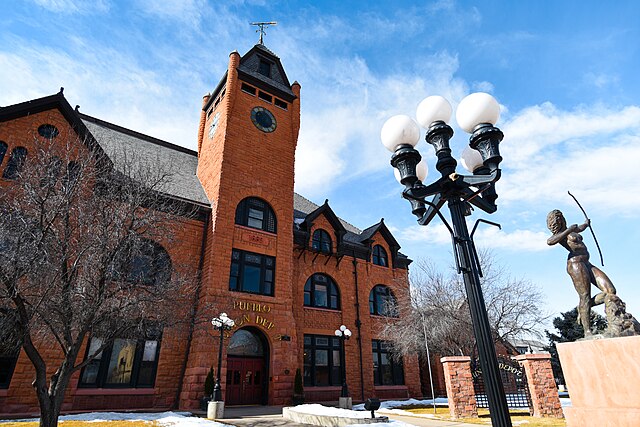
(518, 417)
(119, 423)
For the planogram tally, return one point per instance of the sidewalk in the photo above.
(425, 422)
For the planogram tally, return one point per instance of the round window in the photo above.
(48, 131)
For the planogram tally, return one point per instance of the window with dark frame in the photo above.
(252, 273)
(3, 150)
(264, 68)
(265, 96)
(125, 363)
(142, 262)
(321, 241)
(248, 89)
(280, 103)
(48, 131)
(380, 256)
(7, 365)
(321, 291)
(387, 370)
(15, 163)
(256, 213)
(9, 341)
(382, 302)
(322, 361)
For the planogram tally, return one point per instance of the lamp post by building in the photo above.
(477, 115)
(344, 334)
(221, 323)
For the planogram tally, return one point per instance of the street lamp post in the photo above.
(477, 115)
(344, 334)
(221, 323)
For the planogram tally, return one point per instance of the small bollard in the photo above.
(372, 404)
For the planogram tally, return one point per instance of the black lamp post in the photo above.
(476, 114)
(221, 323)
(344, 334)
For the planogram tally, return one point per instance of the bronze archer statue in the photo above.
(582, 272)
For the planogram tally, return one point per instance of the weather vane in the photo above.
(261, 28)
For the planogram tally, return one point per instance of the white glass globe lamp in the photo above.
(477, 108)
(471, 159)
(433, 108)
(400, 129)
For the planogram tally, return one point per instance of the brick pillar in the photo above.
(457, 375)
(542, 385)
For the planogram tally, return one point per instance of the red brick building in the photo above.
(288, 271)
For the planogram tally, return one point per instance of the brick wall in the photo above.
(462, 398)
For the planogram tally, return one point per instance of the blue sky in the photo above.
(565, 74)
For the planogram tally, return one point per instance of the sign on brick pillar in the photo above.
(542, 385)
(457, 375)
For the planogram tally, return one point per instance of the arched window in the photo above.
(256, 213)
(382, 302)
(380, 256)
(17, 159)
(321, 241)
(3, 150)
(321, 291)
(245, 343)
(52, 172)
(144, 262)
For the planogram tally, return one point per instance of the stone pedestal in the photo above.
(542, 386)
(603, 378)
(345, 403)
(215, 410)
(462, 398)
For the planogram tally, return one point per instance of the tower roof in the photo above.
(262, 68)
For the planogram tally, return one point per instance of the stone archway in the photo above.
(247, 368)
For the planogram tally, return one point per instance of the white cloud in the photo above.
(518, 240)
(593, 151)
(107, 84)
(343, 111)
(187, 11)
(74, 6)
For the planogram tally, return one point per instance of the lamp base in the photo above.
(345, 403)
(215, 410)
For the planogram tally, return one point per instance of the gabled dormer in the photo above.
(309, 225)
(370, 235)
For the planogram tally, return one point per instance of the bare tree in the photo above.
(435, 314)
(77, 258)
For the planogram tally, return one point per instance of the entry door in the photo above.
(245, 377)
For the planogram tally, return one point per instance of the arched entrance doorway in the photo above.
(247, 368)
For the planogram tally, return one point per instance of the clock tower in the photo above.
(246, 149)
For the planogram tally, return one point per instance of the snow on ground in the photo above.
(389, 404)
(169, 419)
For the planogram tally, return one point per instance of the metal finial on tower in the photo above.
(261, 28)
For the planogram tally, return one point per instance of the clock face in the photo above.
(263, 119)
(214, 125)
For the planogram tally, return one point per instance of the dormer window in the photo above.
(264, 68)
(321, 241)
(380, 256)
